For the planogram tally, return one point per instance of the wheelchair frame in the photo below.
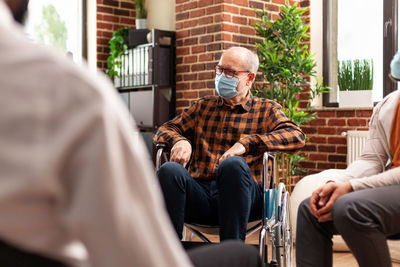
(275, 223)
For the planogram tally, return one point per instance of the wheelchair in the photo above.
(275, 224)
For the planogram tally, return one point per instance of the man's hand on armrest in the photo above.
(181, 152)
(236, 150)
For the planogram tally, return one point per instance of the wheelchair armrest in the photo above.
(161, 154)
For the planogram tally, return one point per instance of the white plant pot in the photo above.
(354, 99)
(141, 23)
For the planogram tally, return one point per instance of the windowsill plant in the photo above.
(355, 81)
(141, 14)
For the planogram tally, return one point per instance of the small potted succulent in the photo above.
(141, 14)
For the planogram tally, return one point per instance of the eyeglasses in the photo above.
(228, 72)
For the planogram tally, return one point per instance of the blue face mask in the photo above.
(226, 87)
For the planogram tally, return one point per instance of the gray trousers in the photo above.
(364, 218)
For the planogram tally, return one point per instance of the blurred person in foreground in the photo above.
(364, 204)
(70, 174)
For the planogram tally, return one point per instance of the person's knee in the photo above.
(232, 170)
(171, 174)
(346, 213)
(303, 210)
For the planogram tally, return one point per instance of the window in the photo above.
(360, 29)
(59, 24)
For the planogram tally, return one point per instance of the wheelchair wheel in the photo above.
(282, 232)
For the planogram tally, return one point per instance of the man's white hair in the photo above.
(251, 63)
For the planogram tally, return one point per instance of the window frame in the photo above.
(390, 13)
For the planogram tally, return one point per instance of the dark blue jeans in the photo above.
(230, 201)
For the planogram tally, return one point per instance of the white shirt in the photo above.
(371, 168)
(68, 168)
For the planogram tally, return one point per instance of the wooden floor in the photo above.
(340, 259)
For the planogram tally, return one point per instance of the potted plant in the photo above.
(141, 14)
(287, 68)
(118, 46)
(355, 81)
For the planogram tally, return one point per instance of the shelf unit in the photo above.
(146, 80)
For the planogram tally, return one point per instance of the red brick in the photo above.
(363, 113)
(231, 9)
(337, 140)
(182, 86)
(307, 164)
(309, 130)
(230, 28)
(337, 122)
(190, 77)
(205, 76)
(190, 41)
(190, 94)
(280, 2)
(182, 51)
(197, 13)
(182, 16)
(247, 12)
(214, 28)
(239, 20)
(326, 130)
(203, 3)
(341, 166)
(213, 47)
(341, 150)
(345, 113)
(241, 2)
(247, 30)
(121, 12)
(226, 37)
(227, 18)
(182, 34)
(319, 157)
(309, 148)
(182, 103)
(198, 49)
(325, 114)
(272, 8)
(206, 20)
(128, 5)
(206, 39)
(181, 1)
(325, 166)
(198, 31)
(190, 23)
(182, 68)
(336, 158)
(101, 25)
(206, 57)
(239, 39)
(190, 5)
(214, 10)
(318, 122)
(326, 148)
(211, 85)
(190, 59)
(198, 85)
(318, 139)
(128, 21)
(257, 5)
(110, 3)
(356, 122)
(203, 93)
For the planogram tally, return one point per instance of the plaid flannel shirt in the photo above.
(212, 127)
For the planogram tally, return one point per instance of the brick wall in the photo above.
(204, 28)
(111, 15)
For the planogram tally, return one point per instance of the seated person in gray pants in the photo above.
(363, 205)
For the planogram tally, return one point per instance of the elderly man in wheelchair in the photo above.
(224, 138)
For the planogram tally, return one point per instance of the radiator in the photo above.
(355, 144)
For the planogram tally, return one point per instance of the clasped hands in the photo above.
(324, 197)
(181, 151)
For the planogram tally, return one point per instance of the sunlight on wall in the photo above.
(161, 14)
(316, 20)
